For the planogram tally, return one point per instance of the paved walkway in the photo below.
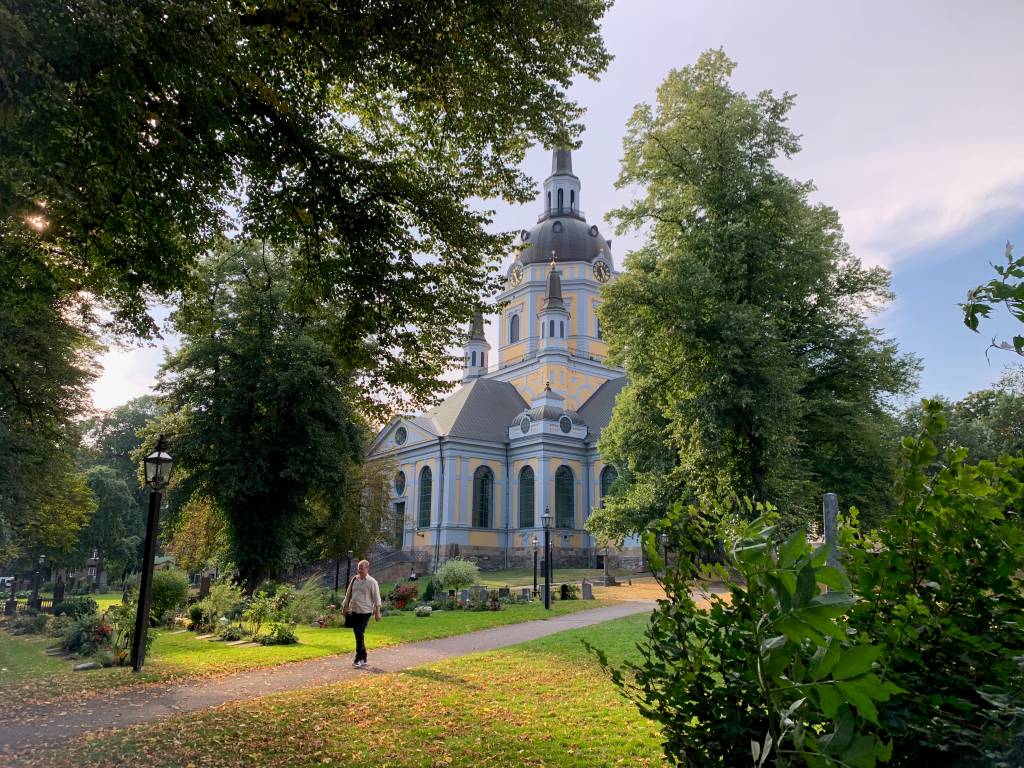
(52, 724)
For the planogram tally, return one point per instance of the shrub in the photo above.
(280, 634)
(944, 591)
(457, 574)
(58, 625)
(308, 603)
(121, 618)
(772, 672)
(423, 610)
(403, 595)
(74, 607)
(87, 634)
(222, 601)
(231, 633)
(428, 592)
(259, 611)
(28, 625)
(196, 616)
(170, 590)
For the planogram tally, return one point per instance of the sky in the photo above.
(912, 123)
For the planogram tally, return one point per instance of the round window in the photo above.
(400, 484)
(556, 227)
(565, 424)
(524, 424)
(401, 435)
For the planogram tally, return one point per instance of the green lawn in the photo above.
(179, 655)
(543, 703)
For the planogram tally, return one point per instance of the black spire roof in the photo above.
(476, 328)
(553, 294)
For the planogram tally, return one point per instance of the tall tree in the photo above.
(260, 408)
(46, 365)
(135, 131)
(741, 322)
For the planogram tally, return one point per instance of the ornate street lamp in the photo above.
(546, 519)
(534, 542)
(158, 466)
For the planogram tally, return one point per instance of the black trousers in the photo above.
(359, 622)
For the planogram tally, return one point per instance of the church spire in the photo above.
(562, 187)
(553, 294)
(475, 350)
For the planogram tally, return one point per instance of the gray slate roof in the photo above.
(572, 240)
(597, 411)
(481, 410)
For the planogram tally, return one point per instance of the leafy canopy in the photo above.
(260, 408)
(741, 323)
(135, 132)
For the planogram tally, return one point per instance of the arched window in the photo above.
(551, 328)
(561, 193)
(597, 326)
(608, 476)
(549, 201)
(426, 488)
(572, 199)
(565, 498)
(483, 497)
(474, 357)
(483, 359)
(526, 519)
(561, 329)
(513, 329)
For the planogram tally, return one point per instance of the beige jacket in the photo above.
(363, 595)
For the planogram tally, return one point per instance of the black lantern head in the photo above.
(158, 466)
(546, 518)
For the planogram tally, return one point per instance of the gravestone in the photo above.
(204, 586)
(58, 591)
(525, 593)
(564, 595)
(478, 594)
(588, 590)
(464, 598)
(504, 592)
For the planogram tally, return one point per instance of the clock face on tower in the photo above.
(601, 272)
(515, 276)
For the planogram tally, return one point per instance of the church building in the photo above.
(474, 475)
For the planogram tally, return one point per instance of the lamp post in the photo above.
(158, 467)
(37, 601)
(534, 542)
(546, 520)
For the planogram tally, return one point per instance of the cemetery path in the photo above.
(50, 725)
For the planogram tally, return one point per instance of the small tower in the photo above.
(553, 316)
(562, 187)
(475, 350)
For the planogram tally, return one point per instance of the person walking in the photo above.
(361, 600)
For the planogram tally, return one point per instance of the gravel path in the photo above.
(52, 724)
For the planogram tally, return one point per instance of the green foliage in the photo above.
(355, 131)
(87, 634)
(121, 617)
(309, 602)
(772, 672)
(259, 610)
(428, 591)
(943, 588)
(75, 607)
(457, 573)
(280, 634)
(274, 426)
(170, 590)
(231, 633)
(1007, 290)
(742, 323)
(28, 625)
(988, 423)
(403, 596)
(223, 598)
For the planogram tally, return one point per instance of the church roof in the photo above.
(553, 294)
(481, 410)
(597, 411)
(476, 328)
(566, 239)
